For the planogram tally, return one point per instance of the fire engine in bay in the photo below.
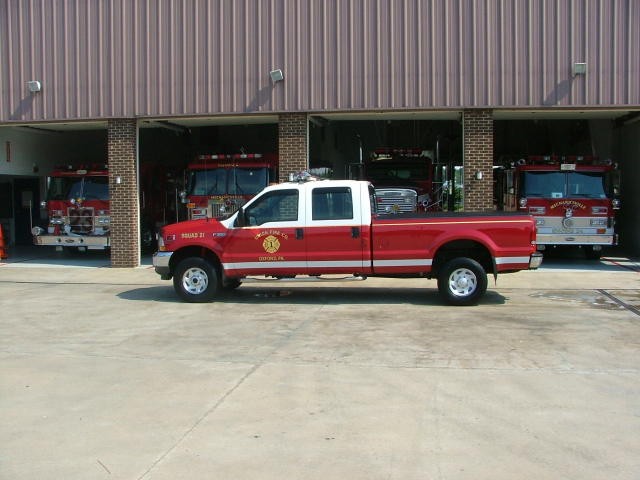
(77, 207)
(78, 212)
(219, 184)
(403, 178)
(572, 198)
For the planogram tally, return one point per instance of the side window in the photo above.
(276, 206)
(331, 204)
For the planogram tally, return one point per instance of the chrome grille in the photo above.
(224, 208)
(396, 200)
(81, 219)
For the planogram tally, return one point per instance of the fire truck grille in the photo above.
(402, 201)
(80, 219)
(224, 208)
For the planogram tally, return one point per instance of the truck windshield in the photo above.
(88, 188)
(397, 173)
(228, 181)
(562, 184)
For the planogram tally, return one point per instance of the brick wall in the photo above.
(477, 128)
(293, 144)
(122, 154)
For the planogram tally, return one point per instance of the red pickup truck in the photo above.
(313, 228)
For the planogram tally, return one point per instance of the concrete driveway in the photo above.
(106, 375)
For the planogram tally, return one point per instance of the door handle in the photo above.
(299, 234)
(355, 232)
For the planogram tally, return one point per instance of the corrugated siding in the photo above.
(125, 58)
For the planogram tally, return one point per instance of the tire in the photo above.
(196, 281)
(462, 281)
(592, 254)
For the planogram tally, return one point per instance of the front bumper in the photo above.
(91, 242)
(535, 261)
(161, 264)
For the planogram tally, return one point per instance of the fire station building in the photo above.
(320, 83)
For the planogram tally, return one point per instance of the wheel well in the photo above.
(194, 251)
(463, 248)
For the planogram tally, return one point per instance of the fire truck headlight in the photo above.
(539, 222)
(56, 221)
(598, 222)
(104, 221)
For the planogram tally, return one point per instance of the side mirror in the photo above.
(241, 220)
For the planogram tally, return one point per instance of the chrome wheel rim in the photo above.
(195, 281)
(462, 282)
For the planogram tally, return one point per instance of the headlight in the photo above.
(539, 222)
(104, 221)
(56, 221)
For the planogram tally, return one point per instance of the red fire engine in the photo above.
(78, 209)
(573, 199)
(398, 170)
(78, 213)
(218, 184)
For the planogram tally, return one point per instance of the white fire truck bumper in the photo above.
(569, 239)
(98, 242)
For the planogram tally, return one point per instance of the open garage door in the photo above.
(418, 151)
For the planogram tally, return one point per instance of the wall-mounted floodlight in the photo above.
(579, 68)
(34, 86)
(276, 75)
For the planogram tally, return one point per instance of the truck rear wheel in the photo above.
(196, 280)
(462, 281)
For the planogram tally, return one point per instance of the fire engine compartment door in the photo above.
(270, 243)
(334, 234)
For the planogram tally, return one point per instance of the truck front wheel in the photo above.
(195, 280)
(462, 281)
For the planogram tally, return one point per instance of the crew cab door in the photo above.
(334, 233)
(272, 242)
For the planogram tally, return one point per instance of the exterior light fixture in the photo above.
(478, 175)
(34, 86)
(276, 75)
(579, 68)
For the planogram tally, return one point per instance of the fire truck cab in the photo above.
(219, 184)
(397, 173)
(572, 198)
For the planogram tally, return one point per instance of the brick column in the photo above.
(123, 190)
(477, 126)
(293, 144)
